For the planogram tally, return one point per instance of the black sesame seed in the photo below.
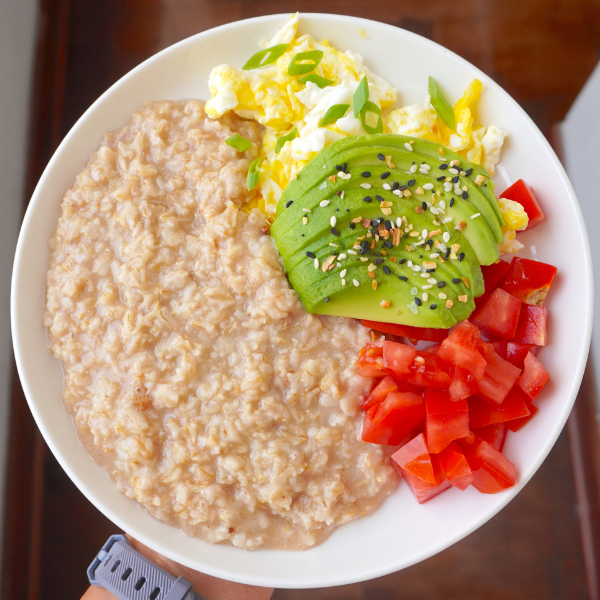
(447, 253)
(420, 256)
(451, 201)
(337, 209)
(386, 270)
(301, 235)
(352, 225)
(465, 195)
(468, 172)
(441, 178)
(334, 231)
(443, 167)
(411, 182)
(334, 253)
(326, 300)
(364, 248)
(310, 254)
(368, 199)
(402, 278)
(338, 168)
(429, 270)
(385, 175)
(381, 157)
(380, 220)
(456, 280)
(388, 225)
(289, 203)
(403, 187)
(379, 261)
(374, 222)
(424, 205)
(366, 174)
(485, 185)
(388, 244)
(395, 185)
(433, 306)
(418, 301)
(379, 198)
(455, 179)
(347, 210)
(429, 243)
(461, 257)
(441, 284)
(401, 261)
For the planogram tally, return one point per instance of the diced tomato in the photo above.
(498, 315)
(455, 466)
(494, 434)
(516, 353)
(427, 334)
(379, 392)
(498, 379)
(463, 384)
(421, 471)
(492, 278)
(404, 386)
(500, 348)
(461, 348)
(370, 360)
(482, 413)
(492, 471)
(533, 378)
(428, 371)
(533, 325)
(516, 424)
(445, 419)
(529, 280)
(390, 421)
(433, 349)
(522, 193)
(398, 358)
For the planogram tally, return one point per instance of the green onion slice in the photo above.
(253, 172)
(265, 57)
(285, 138)
(370, 107)
(238, 142)
(361, 96)
(317, 80)
(442, 107)
(305, 62)
(335, 112)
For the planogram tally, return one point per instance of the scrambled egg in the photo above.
(281, 103)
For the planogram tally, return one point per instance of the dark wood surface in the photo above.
(541, 52)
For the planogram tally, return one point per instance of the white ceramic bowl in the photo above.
(401, 532)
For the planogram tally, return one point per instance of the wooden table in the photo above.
(545, 543)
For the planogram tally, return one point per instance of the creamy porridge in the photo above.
(193, 374)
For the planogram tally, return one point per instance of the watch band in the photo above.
(130, 576)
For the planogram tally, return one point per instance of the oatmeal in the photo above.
(193, 373)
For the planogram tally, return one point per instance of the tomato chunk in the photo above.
(427, 334)
(370, 360)
(498, 315)
(498, 379)
(492, 471)
(500, 348)
(494, 434)
(522, 193)
(482, 413)
(398, 358)
(492, 278)
(445, 419)
(533, 378)
(463, 384)
(533, 325)
(455, 466)
(529, 280)
(421, 471)
(390, 421)
(516, 353)
(428, 371)
(461, 348)
(516, 424)
(379, 392)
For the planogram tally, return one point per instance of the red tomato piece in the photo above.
(533, 325)
(370, 360)
(500, 348)
(516, 353)
(463, 384)
(498, 315)
(492, 471)
(492, 278)
(398, 358)
(494, 434)
(529, 280)
(390, 421)
(379, 392)
(420, 470)
(499, 377)
(516, 424)
(427, 334)
(445, 419)
(455, 466)
(461, 348)
(482, 413)
(522, 193)
(428, 371)
(432, 349)
(533, 378)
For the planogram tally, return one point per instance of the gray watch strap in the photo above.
(130, 576)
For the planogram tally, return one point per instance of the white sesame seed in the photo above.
(342, 195)
(446, 237)
(333, 221)
(397, 192)
(343, 282)
(442, 159)
(447, 186)
(416, 268)
(398, 222)
(338, 265)
(333, 245)
(413, 169)
(442, 296)
(387, 186)
(447, 220)
(432, 281)
(355, 282)
(453, 171)
(425, 275)
(342, 256)
(424, 234)
(427, 287)
(434, 255)
(424, 165)
(425, 296)
(409, 264)
(424, 171)
(316, 263)
(352, 252)
(304, 220)
(346, 176)
(428, 186)
(475, 215)
(306, 210)
(324, 203)
(442, 205)
(343, 273)
(365, 186)
(434, 210)
(408, 146)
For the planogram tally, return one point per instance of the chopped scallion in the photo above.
(253, 172)
(285, 138)
(335, 112)
(442, 107)
(361, 96)
(317, 80)
(238, 142)
(370, 107)
(305, 62)
(265, 57)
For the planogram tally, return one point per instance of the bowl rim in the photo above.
(333, 580)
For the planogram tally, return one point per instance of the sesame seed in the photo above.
(366, 174)
(475, 215)
(352, 225)
(408, 146)
(316, 263)
(443, 167)
(343, 282)
(396, 185)
(424, 205)
(413, 169)
(379, 198)
(402, 278)
(333, 245)
(379, 261)
(368, 199)
(433, 306)
(434, 210)
(456, 280)
(446, 237)
(411, 182)
(441, 178)
(428, 186)
(334, 231)
(352, 252)
(468, 172)
(387, 186)
(385, 175)
(343, 273)
(461, 257)
(447, 220)
(418, 301)
(338, 168)
(355, 282)
(442, 296)
(427, 287)
(451, 202)
(388, 244)
(306, 210)
(310, 254)
(324, 203)
(453, 171)
(381, 157)
(333, 221)
(455, 179)
(326, 300)
(289, 203)
(365, 186)
(386, 270)
(465, 196)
